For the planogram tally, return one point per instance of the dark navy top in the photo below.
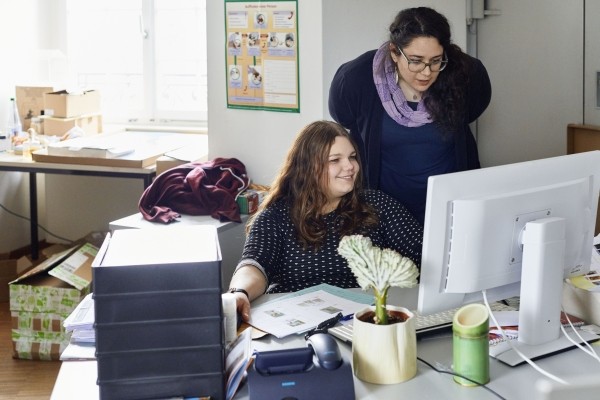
(272, 247)
(408, 157)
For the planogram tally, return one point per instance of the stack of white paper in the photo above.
(81, 321)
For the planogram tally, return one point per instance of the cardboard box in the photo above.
(62, 104)
(10, 269)
(91, 124)
(30, 102)
(41, 298)
(248, 202)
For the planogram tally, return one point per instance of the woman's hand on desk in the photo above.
(242, 305)
(247, 284)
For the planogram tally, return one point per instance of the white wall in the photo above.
(592, 61)
(534, 55)
(28, 34)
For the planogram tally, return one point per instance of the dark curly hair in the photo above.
(446, 98)
(302, 181)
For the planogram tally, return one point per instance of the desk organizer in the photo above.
(157, 305)
(158, 314)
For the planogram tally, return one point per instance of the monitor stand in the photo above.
(540, 335)
(503, 352)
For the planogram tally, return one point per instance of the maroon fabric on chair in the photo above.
(200, 188)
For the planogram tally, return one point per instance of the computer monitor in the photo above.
(476, 224)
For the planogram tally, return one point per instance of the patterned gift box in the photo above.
(42, 298)
(32, 345)
(43, 322)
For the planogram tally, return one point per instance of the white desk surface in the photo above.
(137, 221)
(77, 379)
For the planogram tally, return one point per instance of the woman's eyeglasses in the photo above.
(418, 66)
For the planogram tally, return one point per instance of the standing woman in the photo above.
(408, 106)
(316, 199)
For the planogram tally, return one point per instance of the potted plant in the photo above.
(384, 339)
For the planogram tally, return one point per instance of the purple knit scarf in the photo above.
(391, 96)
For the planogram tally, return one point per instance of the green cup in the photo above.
(470, 345)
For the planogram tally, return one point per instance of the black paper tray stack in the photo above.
(158, 314)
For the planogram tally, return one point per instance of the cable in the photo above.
(523, 356)
(244, 184)
(37, 225)
(441, 371)
(590, 351)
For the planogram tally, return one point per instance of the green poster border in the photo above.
(264, 108)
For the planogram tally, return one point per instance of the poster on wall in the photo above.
(262, 55)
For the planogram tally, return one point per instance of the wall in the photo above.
(27, 29)
(260, 139)
(592, 62)
(536, 74)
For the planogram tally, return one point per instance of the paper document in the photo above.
(78, 351)
(82, 318)
(300, 313)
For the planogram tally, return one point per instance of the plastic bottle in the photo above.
(13, 124)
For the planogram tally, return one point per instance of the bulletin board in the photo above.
(262, 55)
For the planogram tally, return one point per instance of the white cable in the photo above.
(523, 356)
(591, 352)
(244, 184)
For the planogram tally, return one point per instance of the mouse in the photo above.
(326, 350)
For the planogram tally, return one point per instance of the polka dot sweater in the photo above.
(272, 247)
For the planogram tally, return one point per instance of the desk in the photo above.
(76, 379)
(16, 163)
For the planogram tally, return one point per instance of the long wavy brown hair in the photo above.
(302, 182)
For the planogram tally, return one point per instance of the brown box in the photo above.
(62, 104)
(45, 295)
(248, 202)
(10, 269)
(91, 124)
(30, 102)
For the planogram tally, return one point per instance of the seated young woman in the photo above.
(317, 198)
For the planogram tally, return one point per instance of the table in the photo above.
(76, 379)
(16, 163)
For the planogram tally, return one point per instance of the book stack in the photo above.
(158, 314)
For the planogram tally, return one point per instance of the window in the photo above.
(146, 57)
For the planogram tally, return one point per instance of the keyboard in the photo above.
(424, 324)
